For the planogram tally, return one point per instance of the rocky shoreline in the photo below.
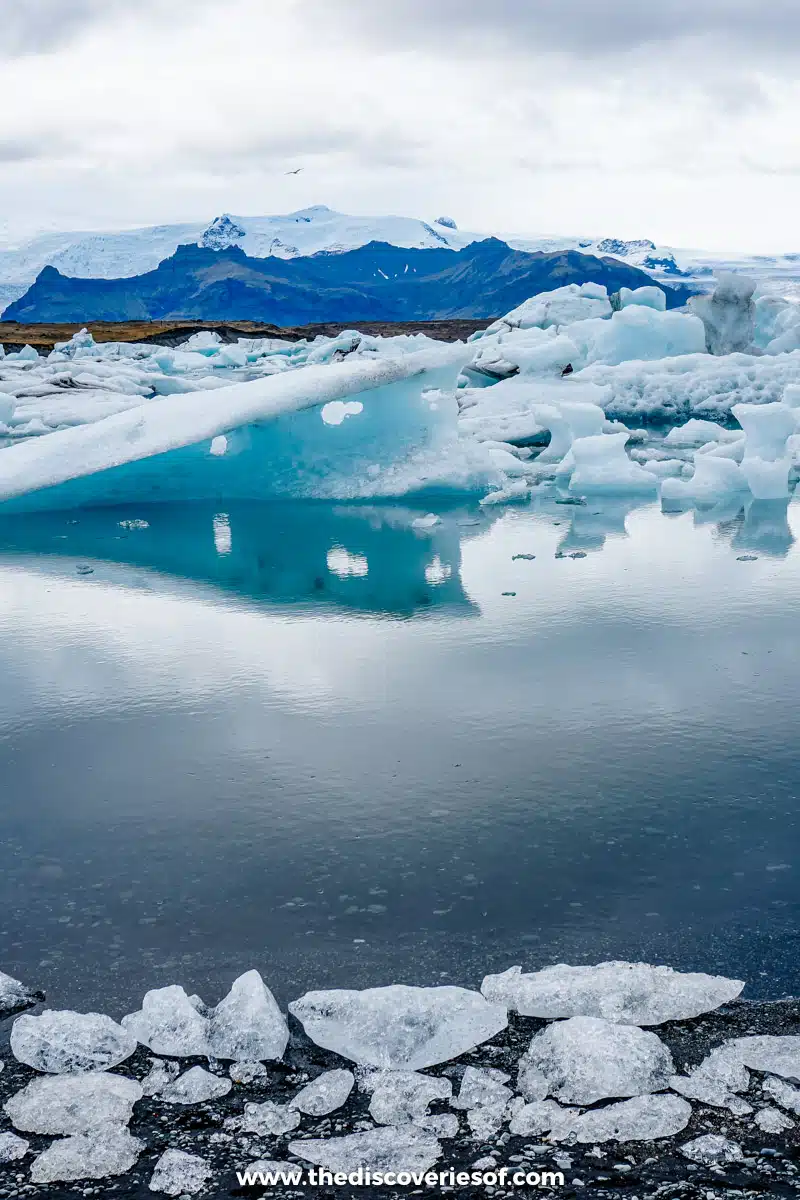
(261, 1115)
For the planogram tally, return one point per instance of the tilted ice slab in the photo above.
(390, 1148)
(14, 995)
(399, 1027)
(324, 1094)
(97, 1154)
(630, 993)
(642, 1119)
(62, 1042)
(121, 456)
(585, 1059)
(66, 1104)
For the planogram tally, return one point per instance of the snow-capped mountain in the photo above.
(125, 253)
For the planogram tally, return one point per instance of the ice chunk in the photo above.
(695, 432)
(650, 297)
(402, 1097)
(778, 1055)
(713, 479)
(538, 1117)
(783, 1094)
(712, 1149)
(169, 1023)
(399, 1027)
(602, 466)
(390, 1148)
(270, 1119)
(65, 1104)
(770, 1120)
(585, 1059)
(62, 1042)
(247, 1072)
(482, 1086)
(641, 1119)
(194, 1087)
(12, 1147)
(161, 1073)
(729, 315)
(248, 1024)
(324, 1094)
(766, 427)
(767, 480)
(103, 1151)
(177, 1173)
(637, 333)
(563, 306)
(14, 995)
(441, 1125)
(630, 993)
(7, 407)
(716, 1081)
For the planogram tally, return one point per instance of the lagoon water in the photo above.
(326, 743)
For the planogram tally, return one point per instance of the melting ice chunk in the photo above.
(399, 1027)
(14, 995)
(62, 1042)
(402, 1097)
(248, 1024)
(641, 1119)
(712, 1149)
(12, 1147)
(194, 1087)
(177, 1173)
(270, 1119)
(66, 1104)
(169, 1023)
(630, 993)
(390, 1148)
(101, 1152)
(324, 1094)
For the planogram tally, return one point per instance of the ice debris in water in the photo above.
(248, 1024)
(62, 1042)
(399, 1027)
(14, 995)
(270, 1119)
(324, 1094)
(161, 1072)
(177, 1173)
(771, 1120)
(712, 1149)
(194, 1087)
(390, 1148)
(65, 1104)
(12, 1147)
(585, 1059)
(402, 1097)
(102, 1151)
(629, 993)
(169, 1023)
(642, 1119)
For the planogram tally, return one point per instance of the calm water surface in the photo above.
(324, 743)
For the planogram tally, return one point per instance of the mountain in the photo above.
(125, 253)
(375, 282)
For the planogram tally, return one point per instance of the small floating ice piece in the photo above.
(698, 433)
(169, 1023)
(771, 1120)
(766, 427)
(194, 1087)
(66, 1104)
(767, 480)
(712, 1149)
(641, 1119)
(248, 1024)
(628, 993)
(585, 1059)
(426, 522)
(399, 1027)
(270, 1119)
(12, 1147)
(324, 1094)
(390, 1148)
(103, 1151)
(63, 1042)
(402, 1097)
(713, 479)
(14, 995)
(177, 1173)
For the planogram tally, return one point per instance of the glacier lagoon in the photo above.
(346, 743)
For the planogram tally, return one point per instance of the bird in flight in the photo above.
(296, 172)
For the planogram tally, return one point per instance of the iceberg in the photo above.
(562, 306)
(602, 466)
(650, 297)
(637, 333)
(630, 993)
(728, 315)
(64, 1042)
(399, 1027)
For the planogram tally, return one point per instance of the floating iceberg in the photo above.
(399, 1027)
(637, 333)
(630, 993)
(728, 315)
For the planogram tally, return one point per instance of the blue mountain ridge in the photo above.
(376, 282)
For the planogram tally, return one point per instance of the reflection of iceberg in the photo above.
(591, 524)
(763, 528)
(277, 441)
(362, 558)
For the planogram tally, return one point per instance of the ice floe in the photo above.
(631, 993)
(61, 1042)
(586, 1059)
(399, 1027)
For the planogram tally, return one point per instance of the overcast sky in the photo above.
(670, 119)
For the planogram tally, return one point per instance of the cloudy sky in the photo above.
(670, 119)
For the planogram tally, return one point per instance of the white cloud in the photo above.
(661, 127)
